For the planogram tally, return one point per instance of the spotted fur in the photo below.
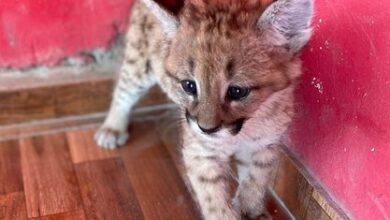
(217, 44)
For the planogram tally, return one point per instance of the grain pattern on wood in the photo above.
(159, 187)
(49, 179)
(73, 215)
(49, 126)
(106, 191)
(10, 168)
(83, 148)
(292, 187)
(315, 212)
(326, 206)
(60, 100)
(12, 206)
(55, 101)
(149, 173)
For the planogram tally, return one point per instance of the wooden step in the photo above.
(31, 97)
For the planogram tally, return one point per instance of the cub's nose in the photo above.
(209, 130)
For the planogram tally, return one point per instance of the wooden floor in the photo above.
(66, 176)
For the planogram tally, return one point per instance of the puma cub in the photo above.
(231, 66)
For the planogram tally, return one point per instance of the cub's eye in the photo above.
(189, 87)
(237, 93)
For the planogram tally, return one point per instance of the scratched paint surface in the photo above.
(42, 32)
(342, 131)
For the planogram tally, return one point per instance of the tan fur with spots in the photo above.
(232, 67)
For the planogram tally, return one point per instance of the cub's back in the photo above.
(144, 34)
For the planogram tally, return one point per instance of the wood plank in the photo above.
(158, 185)
(73, 215)
(61, 100)
(83, 147)
(49, 126)
(49, 180)
(58, 125)
(54, 101)
(12, 206)
(315, 212)
(10, 168)
(106, 191)
(327, 206)
(275, 208)
(302, 193)
(292, 187)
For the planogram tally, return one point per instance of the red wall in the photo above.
(342, 131)
(35, 32)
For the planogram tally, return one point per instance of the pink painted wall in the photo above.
(342, 131)
(42, 32)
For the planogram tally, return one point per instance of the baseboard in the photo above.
(29, 97)
(58, 125)
(301, 193)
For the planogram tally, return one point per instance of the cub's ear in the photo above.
(287, 24)
(168, 20)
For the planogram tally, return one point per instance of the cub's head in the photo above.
(225, 58)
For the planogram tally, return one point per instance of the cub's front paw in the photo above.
(250, 208)
(109, 138)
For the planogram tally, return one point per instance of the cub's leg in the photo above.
(254, 172)
(135, 79)
(129, 89)
(207, 173)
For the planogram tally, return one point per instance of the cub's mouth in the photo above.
(233, 128)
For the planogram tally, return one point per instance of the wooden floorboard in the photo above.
(66, 176)
(159, 187)
(50, 182)
(83, 148)
(293, 189)
(106, 190)
(12, 206)
(10, 168)
(74, 215)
